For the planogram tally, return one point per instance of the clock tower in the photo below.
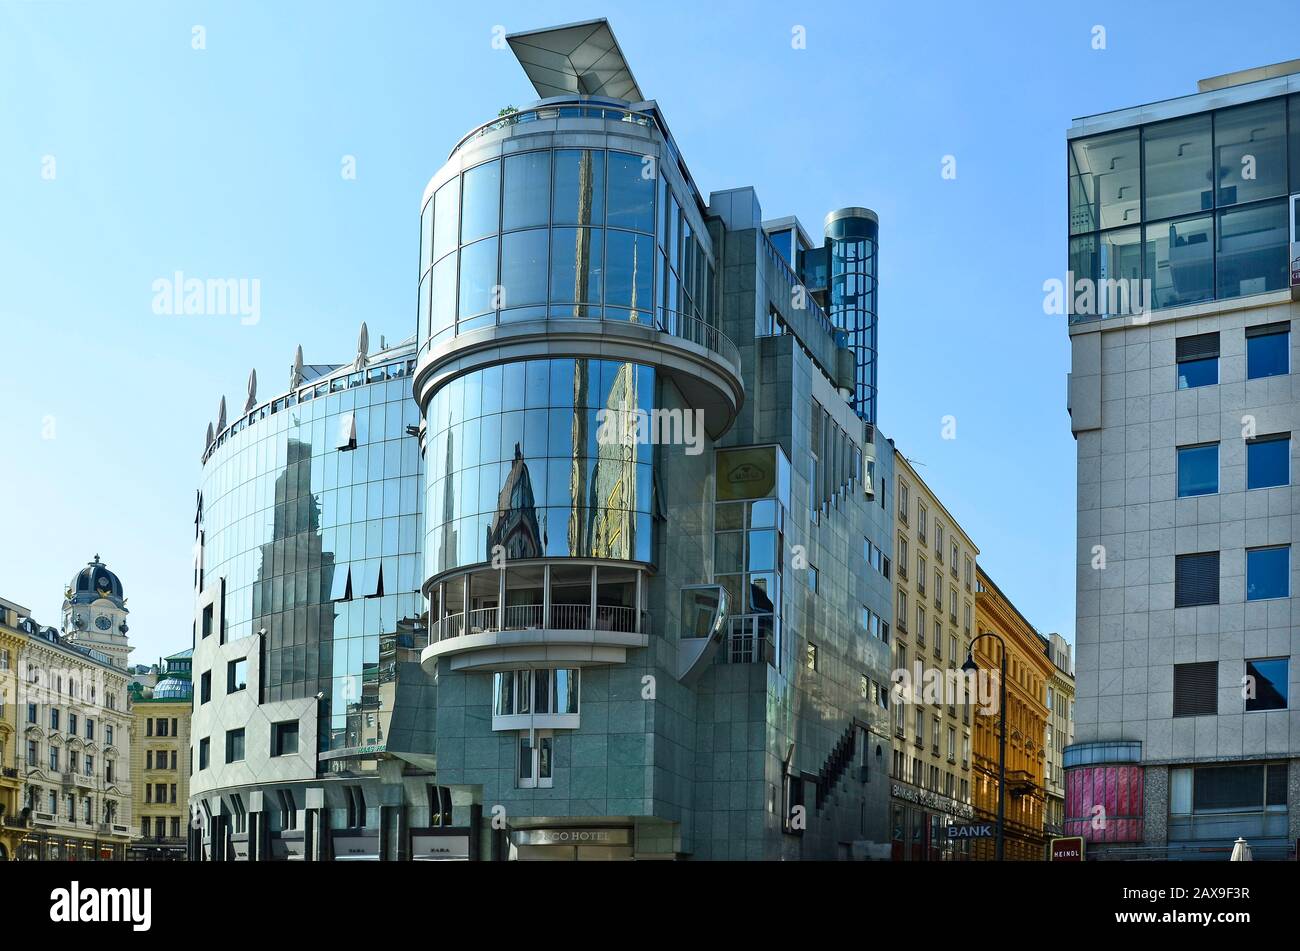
(94, 612)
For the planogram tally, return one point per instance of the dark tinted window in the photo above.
(1268, 461)
(1196, 689)
(1196, 579)
(1266, 684)
(1198, 470)
(1268, 352)
(1268, 573)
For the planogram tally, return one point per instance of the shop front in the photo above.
(920, 819)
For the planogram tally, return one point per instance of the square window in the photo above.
(284, 738)
(237, 675)
(1268, 351)
(1198, 470)
(1196, 579)
(1268, 461)
(1198, 360)
(1266, 684)
(1268, 573)
(1196, 689)
(234, 745)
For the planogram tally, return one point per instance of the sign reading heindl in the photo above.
(971, 830)
(1068, 849)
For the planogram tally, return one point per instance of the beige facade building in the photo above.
(934, 617)
(160, 753)
(1060, 729)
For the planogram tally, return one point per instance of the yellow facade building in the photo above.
(1028, 672)
(160, 764)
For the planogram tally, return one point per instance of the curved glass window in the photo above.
(478, 277)
(579, 187)
(480, 207)
(524, 267)
(542, 458)
(630, 270)
(426, 234)
(527, 191)
(577, 266)
(631, 192)
(442, 315)
(446, 212)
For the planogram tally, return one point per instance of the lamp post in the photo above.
(971, 667)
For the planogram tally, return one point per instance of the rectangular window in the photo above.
(284, 738)
(237, 675)
(203, 753)
(1268, 573)
(1196, 579)
(1268, 461)
(1198, 470)
(1196, 689)
(234, 745)
(1266, 684)
(205, 687)
(207, 621)
(1198, 360)
(810, 656)
(1268, 350)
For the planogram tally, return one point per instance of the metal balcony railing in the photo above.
(522, 617)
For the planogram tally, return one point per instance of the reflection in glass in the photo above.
(1253, 244)
(629, 268)
(445, 216)
(577, 256)
(1180, 261)
(579, 187)
(1104, 182)
(631, 192)
(524, 267)
(478, 276)
(1179, 167)
(443, 293)
(1251, 145)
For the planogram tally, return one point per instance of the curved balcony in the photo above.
(537, 615)
(701, 360)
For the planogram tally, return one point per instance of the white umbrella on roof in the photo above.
(1240, 851)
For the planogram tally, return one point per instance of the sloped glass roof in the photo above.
(581, 58)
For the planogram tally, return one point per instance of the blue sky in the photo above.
(226, 162)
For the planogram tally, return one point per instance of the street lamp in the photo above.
(971, 667)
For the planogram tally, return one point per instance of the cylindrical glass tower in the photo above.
(853, 237)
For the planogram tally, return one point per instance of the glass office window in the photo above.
(480, 207)
(446, 214)
(629, 267)
(579, 187)
(426, 234)
(1294, 149)
(1252, 249)
(526, 191)
(577, 266)
(1198, 470)
(631, 192)
(478, 276)
(442, 314)
(1178, 167)
(1266, 684)
(1119, 273)
(1194, 373)
(1268, 461)
(1251, 144)
(1180, 261)
(1104, 182)
(1268, 351)
(524, 267)
(1268, 572)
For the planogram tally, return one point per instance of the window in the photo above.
(920, 727)
(1198, 470)
(203, 753)
(1268, 350)
(162, 726)
(631, 202)
(1268, 461)
(205, 687)
(237, 675)
(810, 656)
(284, 738)
(54, 758)
(904, 496)
(1266, 684)
(1198, 360)
(1268, 572)
(1252, 249)
(812, 578)
(72, 724)
(900, 615)
(1250, 146)
(207, 620)
(1196, 579)
(549, 691)
(480, 207)
(579, 187)
(535, 750)
(234, 745)
(527, 189)
(1178, 167)
(54, 718)
(31, 713)
(1196, 689)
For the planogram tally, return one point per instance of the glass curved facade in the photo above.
(854, 242)
(560, 233)
(310, 511)
(543, 458)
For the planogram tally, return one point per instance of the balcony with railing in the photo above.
(539, 612)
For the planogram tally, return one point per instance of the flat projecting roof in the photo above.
(577, 59)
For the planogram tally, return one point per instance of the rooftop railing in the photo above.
(541, 113)
(524, 617)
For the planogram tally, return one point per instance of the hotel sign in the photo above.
(572, 836)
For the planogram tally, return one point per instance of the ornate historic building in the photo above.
(160, 760)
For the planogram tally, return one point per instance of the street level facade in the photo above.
(1183, 405)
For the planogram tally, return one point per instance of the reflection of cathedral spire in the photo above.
(448, 556)
(514, 526)
(578, 537)
(613, 480)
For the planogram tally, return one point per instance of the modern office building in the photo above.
(160, 767)
(1182, 402)
(934, 611)
(1016, 654)
(611, 585)
(75, 740)
(1060, 729)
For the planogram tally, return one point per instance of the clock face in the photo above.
(103, 622)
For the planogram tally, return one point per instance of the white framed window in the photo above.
(536, 751)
